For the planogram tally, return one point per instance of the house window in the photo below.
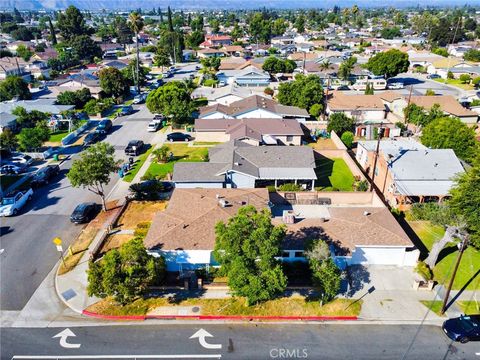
(289, 137)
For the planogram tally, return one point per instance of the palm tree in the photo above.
(135, 21)
(325, 65)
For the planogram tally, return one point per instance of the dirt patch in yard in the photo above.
(115, 241)
(140, 211)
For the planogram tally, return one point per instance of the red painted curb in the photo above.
(220, 317)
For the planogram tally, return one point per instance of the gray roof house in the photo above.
(43, 105)
(237, 164)
(250, 76)
(7, 121)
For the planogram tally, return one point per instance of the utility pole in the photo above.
(380, 134)
(326, 97)
(462, 247)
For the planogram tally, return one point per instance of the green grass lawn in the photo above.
(428, 234)
(469, 307)
(181, 152)
(434, 305)
(8, 180)
(457, 83)
(138, 164)
(333, 174)
(57, 136)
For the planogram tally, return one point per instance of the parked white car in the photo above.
(12, 203)
(396, 85)
(154, 126)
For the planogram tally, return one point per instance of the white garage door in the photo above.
(378, 256)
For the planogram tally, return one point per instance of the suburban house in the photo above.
(249, 76)
(253, 107)
(281, 40)
(451, 107)
(408, 172)
(43, 105)
(368, 111)
(14, 67)
(7, 121)
(225, 95)
(216, 41)
(209, 53)
(233, 50)
(361, 232)
(254, 131)
(238, 164)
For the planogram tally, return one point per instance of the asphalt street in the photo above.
(238, 341)
(29, 254)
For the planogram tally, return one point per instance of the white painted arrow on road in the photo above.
(63, 335)
(201, 335)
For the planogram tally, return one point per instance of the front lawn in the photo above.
(181, 152)
(457, 83)
(434, 305)
(137, 165)
(287, 306)
(333, 175)
(428, 234)
(138, 212)
(469, 307)
(57, 136)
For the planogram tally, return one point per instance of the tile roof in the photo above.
(190, 218)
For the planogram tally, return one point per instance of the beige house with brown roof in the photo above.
(358, 227)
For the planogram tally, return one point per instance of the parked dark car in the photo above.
(84, 213)
(104, 126)
(126, 110)
(134, 148)
(44, 175)
(178, 136)
(463, 329)
(93, 138)
(12, 169)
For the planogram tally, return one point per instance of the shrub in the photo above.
(437, 214)
(347, 138)
(142, 229)
(465, 78)
(424, 270)
(361, 185)
(316, 110)
(271, 188)
(450, 75)
(210, 82)
(268, 91)
(297, 271)
(430, 92)
(476, 81)
(290, 187)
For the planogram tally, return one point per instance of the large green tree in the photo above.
(162, 58)
(172, 100)
(30, 139)
(275, 65)
(125, 273)
(72, 24)
(130, 73)
(451, 133)
(465, 200)
(14, 86)
(92, 171)
(340, 123)
(8, 140)
(112, 82)
(78, 98)
(246, 248)
(346, 68)
(85, 47)
(123, 32)
(389, 63)
(28, 118)
(419, 116)
(304, 92)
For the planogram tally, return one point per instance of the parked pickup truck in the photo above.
(13, 202)
(134, 148)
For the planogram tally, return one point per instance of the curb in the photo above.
(58, 291)
(219, 317)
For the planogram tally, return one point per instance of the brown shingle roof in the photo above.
(348, 227)
(447, 103)
(340, 101)
(189, 220)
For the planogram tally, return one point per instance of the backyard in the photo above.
(181, 152)
(333, 175)
(468, 272)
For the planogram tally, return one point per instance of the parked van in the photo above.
(378, 84)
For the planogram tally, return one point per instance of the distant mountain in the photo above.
(216, 4)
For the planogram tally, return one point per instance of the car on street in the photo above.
(104, 126)
(126, 110)
(13, 202)
(158, 117)
(11, 169)
(134, 148)
(197, 67)
(139, 99)
(44, 175)
(21, 159)
(396, 85)
(178, 136)
(153, 126)
(84, 212)
(93, 138)
(433, 76)
(463, 329)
